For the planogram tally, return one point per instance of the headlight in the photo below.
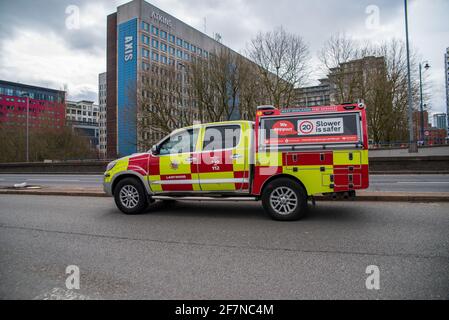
(111, 165)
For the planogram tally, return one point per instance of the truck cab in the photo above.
(283, 158)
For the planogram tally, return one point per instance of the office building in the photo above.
(440, 120)
(313, 96)
(446, 71)
(83, 118)
(102, 95)
(141, 37)
(46, 107)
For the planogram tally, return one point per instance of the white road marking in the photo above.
(57, 180)
(423, 182)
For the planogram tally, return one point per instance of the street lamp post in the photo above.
(27, 127)
(421, 103)
(412, 148)
(182, 92)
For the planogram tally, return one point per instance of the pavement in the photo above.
(221, 250)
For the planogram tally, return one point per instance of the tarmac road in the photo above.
(221, 250)
(404, 183)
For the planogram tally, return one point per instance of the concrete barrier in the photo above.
(431, 164)
(423, 151)
(69, 167)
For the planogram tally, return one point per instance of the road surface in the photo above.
(221, 250)
(405, 183)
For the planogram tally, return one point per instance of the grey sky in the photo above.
(37, 48)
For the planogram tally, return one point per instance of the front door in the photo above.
(173, 168)
(223, 161)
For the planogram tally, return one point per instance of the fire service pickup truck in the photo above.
(284, 158)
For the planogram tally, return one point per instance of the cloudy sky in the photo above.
(38, 44)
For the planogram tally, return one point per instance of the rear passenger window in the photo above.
(221, 137)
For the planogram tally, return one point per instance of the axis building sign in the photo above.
(158, 17)
(126, 86)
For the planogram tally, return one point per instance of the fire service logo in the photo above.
(284, 128)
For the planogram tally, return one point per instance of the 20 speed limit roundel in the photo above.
(305, 127)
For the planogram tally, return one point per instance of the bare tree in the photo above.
(45, 143)
(217, 84)
(162, 105)
(282, 60)
(376, 74)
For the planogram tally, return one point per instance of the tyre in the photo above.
(130, 196)
(285, 200)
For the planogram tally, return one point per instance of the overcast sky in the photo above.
(37, 47)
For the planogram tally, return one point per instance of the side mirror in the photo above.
(155, 150)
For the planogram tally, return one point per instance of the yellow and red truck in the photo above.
(284, 158)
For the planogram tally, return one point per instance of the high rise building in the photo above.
(446, 71)
(313, 96)
(45, 108)
(141, 37)
(440, 120)
(102, 96)
(83, 118)
(344, 83)
(348, 79)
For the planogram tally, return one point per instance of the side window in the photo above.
(180, 142)
(221, 137)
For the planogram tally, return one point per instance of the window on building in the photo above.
(171, 38)
(179, 42)
(155, 30)
(145, 26)
(145, 39)
(179, 53)
(163, 47)
(171, 50)
(186, 45)
(163, 34)
(155, 56)
(154, 43)
(145, 53)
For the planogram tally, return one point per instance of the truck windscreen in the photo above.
(311, 129)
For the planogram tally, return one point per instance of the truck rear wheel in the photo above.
(130, 196)
(285, 200)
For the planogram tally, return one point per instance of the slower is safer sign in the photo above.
(320, 126)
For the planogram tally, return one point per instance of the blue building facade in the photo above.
(126, 88)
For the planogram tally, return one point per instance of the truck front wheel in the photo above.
(130, 196)
(285, 200)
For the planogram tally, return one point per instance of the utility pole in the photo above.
(27, 127)
(421, 103)
(412, 147)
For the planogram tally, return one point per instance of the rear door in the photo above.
(223, 162)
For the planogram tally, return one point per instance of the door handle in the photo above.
(236, 156)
